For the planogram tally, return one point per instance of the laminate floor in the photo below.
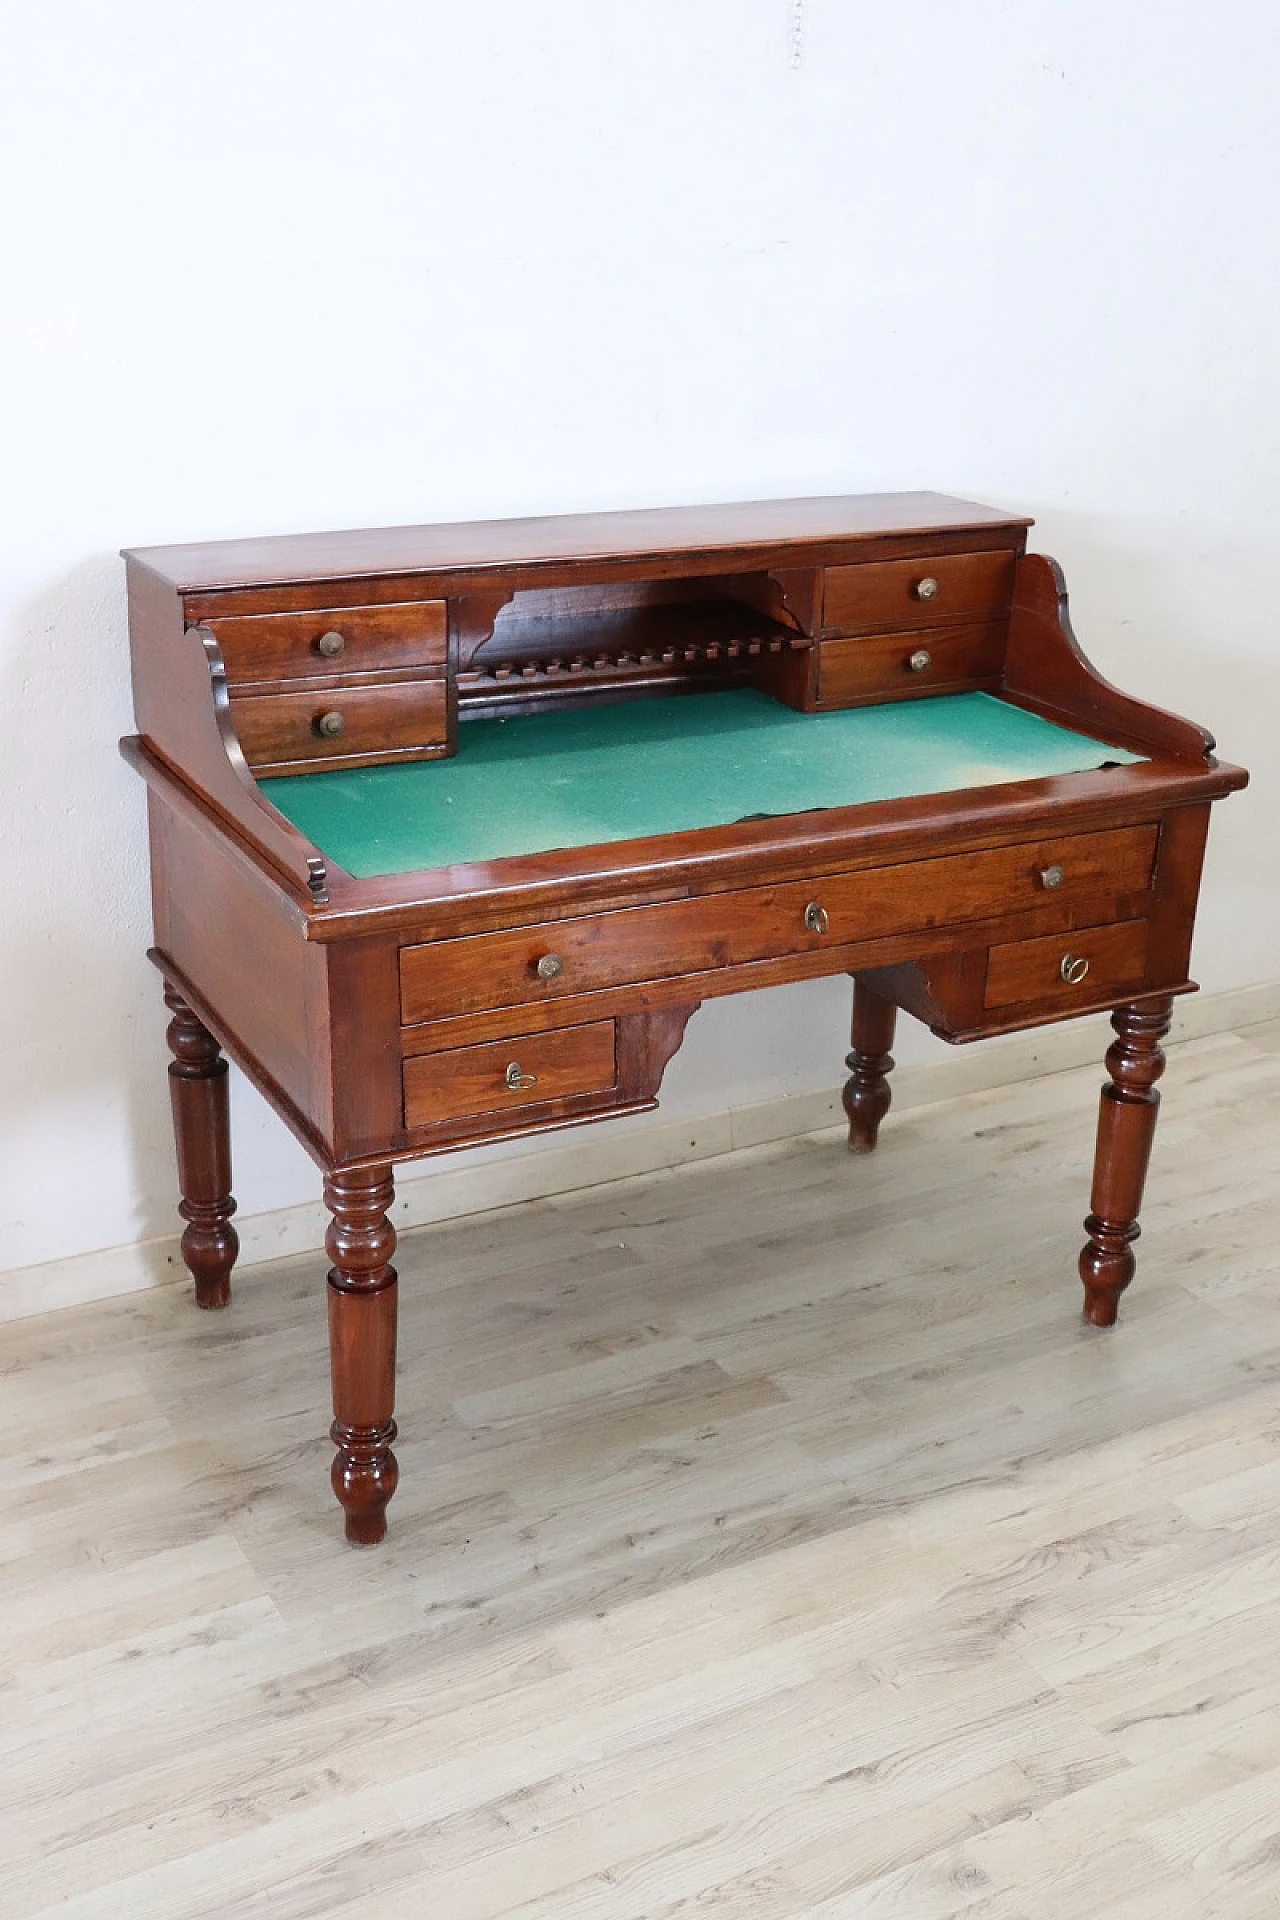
(773, 1540)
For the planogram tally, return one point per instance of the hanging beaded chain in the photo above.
(797, 32)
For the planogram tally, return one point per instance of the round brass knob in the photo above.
(550, 967)
(815, 918)
(1051, 878)
(927, 589)
(330, 725)
(1074, 968)
(517, 1079)
(921, 660)
(330, 645)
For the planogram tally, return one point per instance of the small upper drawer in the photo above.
(293, 646)
(913, 593)
(893, 666)
(1085, 966)
(509, 1074)
(340, 724)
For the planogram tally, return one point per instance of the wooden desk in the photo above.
(438, 857)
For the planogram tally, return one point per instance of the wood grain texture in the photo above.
(910, 666)
(866, 1095)
(771, 1552)
(1126, 1125)
(362, 1346)
(733, 929)
(325, 640)
(289, 732)
(1046, 670)
(927, 590)
(647, 1042)
(1114, 959)
(685, 535)
(182, 711)
(202, 1134)
(509, 1074)
(214, 906)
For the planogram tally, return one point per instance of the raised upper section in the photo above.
(326, 651)
(351, 649)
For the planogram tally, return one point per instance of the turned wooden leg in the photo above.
(1126, 1124)
(866, 1093)
(362, 1346)
(202, 1130)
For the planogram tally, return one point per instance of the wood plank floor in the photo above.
(773, 1540)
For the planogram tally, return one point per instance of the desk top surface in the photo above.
(611, 773)
(475, 545)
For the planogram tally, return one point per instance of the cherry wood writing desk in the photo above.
(439, 857)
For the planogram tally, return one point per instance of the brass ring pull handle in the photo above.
(1074, 968)
(815, 918)
(927, 589)
(330, 645)
(921, 660)
(517, 1079)
(1051, 878)
(330, 725)
(549, 967)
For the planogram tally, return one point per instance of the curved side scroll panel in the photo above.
(184, 717)
(647, 1042)
(1046, 669)
(317, 871)
(474, 617)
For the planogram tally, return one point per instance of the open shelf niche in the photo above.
(620, 640)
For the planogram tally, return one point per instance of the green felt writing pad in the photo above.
(593, 775)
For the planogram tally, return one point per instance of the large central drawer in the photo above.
(526, 965)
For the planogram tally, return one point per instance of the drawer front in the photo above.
(484, 972)
(1085, 965)
(340, 724)
(293, 646)
(889, 666)
(916, 593)
(512, 1074)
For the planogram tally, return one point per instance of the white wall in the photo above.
(279, 265)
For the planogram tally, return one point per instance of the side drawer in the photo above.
(515, 1073)
(482, 972)
(916, 593)
(1084, 965)
(889, 666)
(292, 646)
(340, 725)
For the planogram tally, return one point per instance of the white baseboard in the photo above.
(588, 1157)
